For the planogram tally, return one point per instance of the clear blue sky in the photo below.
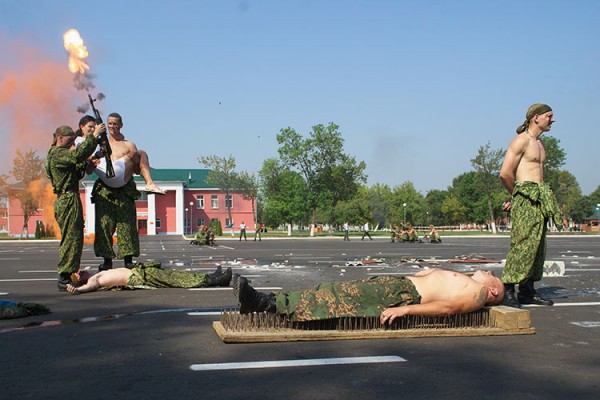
(412, 84)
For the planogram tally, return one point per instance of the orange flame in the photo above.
(76, 50)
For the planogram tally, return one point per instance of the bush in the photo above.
(215, 226)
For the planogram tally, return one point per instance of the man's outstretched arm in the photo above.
(91, 286)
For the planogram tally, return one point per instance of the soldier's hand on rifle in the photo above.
(100, 128)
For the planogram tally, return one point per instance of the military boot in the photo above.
(509, 296)
(251, 300)
(528, 295)
(64, 279)
(219, 278)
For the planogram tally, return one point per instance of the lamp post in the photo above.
(427, 218)
(186, 220)
(597, 216)
(191, 207)
(404, 205)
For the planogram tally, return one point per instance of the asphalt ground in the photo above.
(158, 344)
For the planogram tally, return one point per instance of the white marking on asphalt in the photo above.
(582, 269)
(587, 324)
(10, 259)
(297, 363)
(594, 303)
(223, 247)
(230, 288)
(38, 271)
(27, 280)
(200, 313)
(3, 293)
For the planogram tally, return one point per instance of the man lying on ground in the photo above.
(149, 275)
(433, 292)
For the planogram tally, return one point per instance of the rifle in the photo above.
(103, 142)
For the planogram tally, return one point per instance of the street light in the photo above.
(404, 205)
(191, 207)
(186, 220)
(427, 218)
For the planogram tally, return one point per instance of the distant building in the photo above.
(188, 203)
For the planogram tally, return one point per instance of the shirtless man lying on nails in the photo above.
(432, 292)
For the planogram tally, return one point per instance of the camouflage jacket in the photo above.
(66, 168)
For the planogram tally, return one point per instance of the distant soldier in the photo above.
(258, 231)
(434, 236)
(346, 231)
(366, 231)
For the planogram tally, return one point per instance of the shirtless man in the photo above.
(127, 161)
(151, 275)
(433, 292)
(531, 206)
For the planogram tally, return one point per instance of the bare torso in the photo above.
(524, 161)
(120, 147)
(441, 285)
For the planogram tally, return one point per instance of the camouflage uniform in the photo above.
(362, 298)
(435, 238)
(532, 205)
(65, 169)
(151, 275)
(115, 210)
(9, 309)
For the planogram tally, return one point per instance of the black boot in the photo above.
(128, 262)
(509, 296)
(251, 300)
(528, 295)
(64, 279)
(219, 278)
(107, 264)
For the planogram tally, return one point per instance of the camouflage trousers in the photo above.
(68, 213)
(119, 217)
(527, 254)
(362, 298)
(165, 278)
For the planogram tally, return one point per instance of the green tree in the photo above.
(487, 164)
(284, 195)
(321, 160)
(27, 167)
(415, 208)
(567, 192)
(248, 186)
(222, 175)
(454, 210)
(434, 200)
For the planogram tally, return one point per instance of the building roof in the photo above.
(192, 178)
(594, 216)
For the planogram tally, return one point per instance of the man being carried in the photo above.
(149, 275)
(433, 292)
(128, 161)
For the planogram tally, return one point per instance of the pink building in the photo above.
(188, 203)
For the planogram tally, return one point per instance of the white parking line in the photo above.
(587, 324)
(27, 280)
(201, 313)
(296, 363)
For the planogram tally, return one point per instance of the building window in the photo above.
(228, 201)
(228, 223)
(214, 201)
(200, 221)
(157, 222)
(200, 202)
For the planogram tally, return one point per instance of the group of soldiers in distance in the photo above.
(204, 236)
(407, 233)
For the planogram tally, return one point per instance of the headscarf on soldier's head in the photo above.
(532, 111)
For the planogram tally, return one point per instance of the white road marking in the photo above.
(296, 363)
(587, 324)
(10, 259)
(200, 313)
(27, 280)
(594, 303)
